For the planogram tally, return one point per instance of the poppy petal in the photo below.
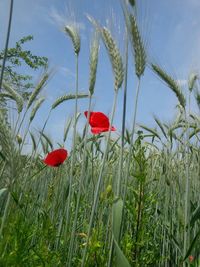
(98, 119)
(99, 122)
(56, 157)
(97, 130)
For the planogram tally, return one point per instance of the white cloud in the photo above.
(66, 71)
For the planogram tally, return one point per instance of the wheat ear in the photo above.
(172, 84)
(115, 57)
(72, 32)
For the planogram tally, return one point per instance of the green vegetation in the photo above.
(129, 201)
(17, 57)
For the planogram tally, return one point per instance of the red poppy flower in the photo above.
(56, 157)
(191, 258)
(99, 122)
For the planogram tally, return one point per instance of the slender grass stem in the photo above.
(120, 172)
(187, 186)
(131, 139)
(83, 169)
(7, 42)
(5, 215)
(73, 151)
(124, 115)
(96, 196)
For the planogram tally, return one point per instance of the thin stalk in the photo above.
(73, 150)
(122, 137)
(2, 170)
(71, 246)
(5, 215)
(7, 42)
(32, 158)
(123, 116)
(96, 196)
(22, 120)
(47, 119)
(24, 138)
(15, 126)
(187, 188)
(131, 140)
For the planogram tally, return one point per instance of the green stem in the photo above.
(20, 125)
(187, 189)
(73, 153)
(95, 202)
(123, 117)
(71, 246)
(7, 42)
(32, 158)
(118, 187)
(5, 215)
(131, 139)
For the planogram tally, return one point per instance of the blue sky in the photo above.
(170, 27)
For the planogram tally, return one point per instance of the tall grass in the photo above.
(126, 201)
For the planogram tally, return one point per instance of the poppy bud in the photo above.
(19, 139)
(109, 189)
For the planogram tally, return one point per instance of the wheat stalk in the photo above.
(37, 105)
(33, 141)
(171, 83)
(132, 2)
(197, 97)
(94, 51)
(38, 89)
(74, 35)
(64, 98)
(49, 142)
(6, 95)
(192, 80)
(138, 46)
(115, 57)
(15, 96)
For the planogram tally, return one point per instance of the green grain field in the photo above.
(125, 199)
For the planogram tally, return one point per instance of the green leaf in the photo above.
(2, 156)
(121, 260)
(63, 98)
(195, 216)
(192, 245)
(117, 217)
(153, 131)
(2, 190)
(66, 130)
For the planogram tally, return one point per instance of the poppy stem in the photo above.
(32, 157)
(38, 172)
(131, 139)
(130, 149)
(71, 246)
(120, 172)
(96, 196)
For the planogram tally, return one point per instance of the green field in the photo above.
(130, 198)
